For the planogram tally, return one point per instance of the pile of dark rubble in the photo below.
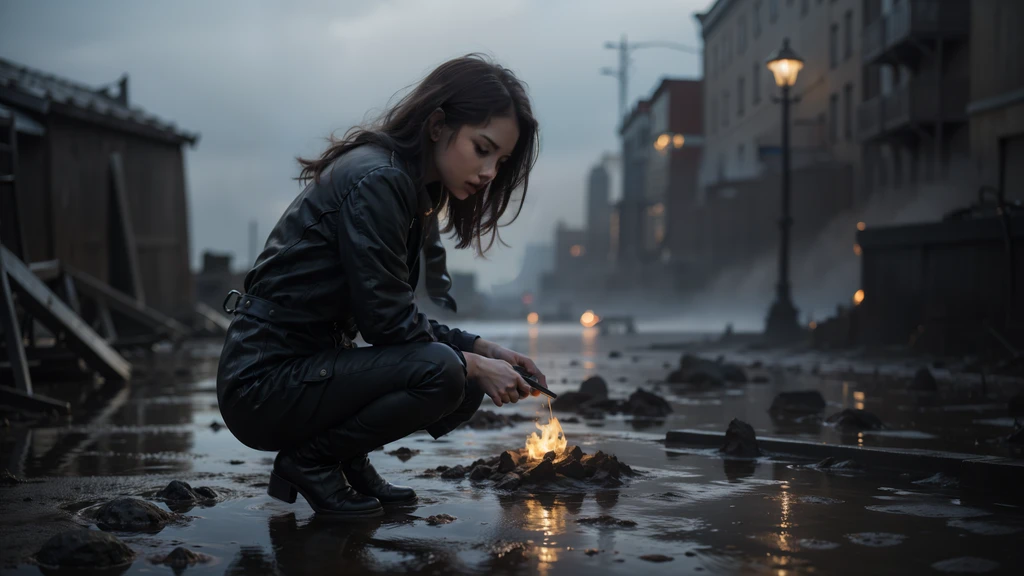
(514, 468)
(700, 371)
(592, 401)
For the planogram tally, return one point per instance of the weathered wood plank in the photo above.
(12, 331)
(46, 307)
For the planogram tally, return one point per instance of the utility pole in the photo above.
(622, 72)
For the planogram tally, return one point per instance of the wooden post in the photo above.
(124, 254)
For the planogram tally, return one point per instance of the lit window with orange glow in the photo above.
(662, 142)
(858, 297)
(576, 251)
(678, 140)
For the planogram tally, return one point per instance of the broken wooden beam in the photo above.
(48, 309)
(32, 402)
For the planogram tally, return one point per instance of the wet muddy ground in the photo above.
(694, 511)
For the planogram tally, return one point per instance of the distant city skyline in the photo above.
(263, 84)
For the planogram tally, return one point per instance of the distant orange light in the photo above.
(858, 297)
(532, 318)
(857, 249)
(678, 140)
(576, 251)
(861, 226)
(812, 325)
(527, 299)
(589, 319)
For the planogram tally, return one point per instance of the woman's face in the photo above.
(468, 164)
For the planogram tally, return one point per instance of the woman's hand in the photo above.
(492, 350)
(497, 379)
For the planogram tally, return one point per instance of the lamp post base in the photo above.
(782, 325)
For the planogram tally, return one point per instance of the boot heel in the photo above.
(281, 489)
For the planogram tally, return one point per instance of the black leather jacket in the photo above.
(346, 253)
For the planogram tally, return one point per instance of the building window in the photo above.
(848, 112)
(805, 6)
(740, 154)
(756, 17)
(833, 117)
(848, 35)
(741, 31)
(741, 95)
(773, 10)
(833, 46)
(755, 82)
(725, 108)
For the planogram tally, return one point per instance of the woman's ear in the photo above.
(436, 123)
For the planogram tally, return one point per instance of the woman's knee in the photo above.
(448, 374)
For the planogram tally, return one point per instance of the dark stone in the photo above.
(181, 558)
(923, 380)
(574, 452)
(454, 473)
(440, 519)
(733, 373)
(657, 558)
(607, 405)
(591, 551)
(403, 453)
(571, 468)
(855, 420)
(131, 514)
(595, 387)
(615, 354)
(571, 420)
(488, 420)
(481, 473)
(606, 520)
(509, 481)
(216, 426)
(550, 455)
(542, 472)
(804, 402)
(571, 401)
(574, 363)
(81, 548)
(236, 462)
(646, 404)
(178, 491)
(740, 440)
(508, 462)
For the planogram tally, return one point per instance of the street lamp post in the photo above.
(622, 72)
(782, 322)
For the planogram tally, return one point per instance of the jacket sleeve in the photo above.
(453, 336)
(373, 227)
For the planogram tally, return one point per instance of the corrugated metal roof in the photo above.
(98, 105)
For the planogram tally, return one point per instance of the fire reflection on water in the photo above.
(549, 521)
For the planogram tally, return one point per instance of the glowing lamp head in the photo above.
(785, 65)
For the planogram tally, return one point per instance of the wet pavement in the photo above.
(695, 512)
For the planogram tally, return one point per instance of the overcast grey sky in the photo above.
(264, 82)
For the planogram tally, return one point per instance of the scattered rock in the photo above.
(924, 380)
(571, 468)
(574, 363)
(646, 404)
(574, 452)
(657, 558)
(595, 387)
(508, 461)
(403, 453)
(489, 420)
(804, 402)
(453, 473)
(481, 473)
(855, 420)
(178, 491)
(606, 520)
(831, 463)
(541, 473)
(440, 519)
(571, 420)
(80, 548)
(740, 440)
(695, 370)
(591, 551)
(510, 481)
(132, 514)
(216, 426)
(615, 354)
(181, 558)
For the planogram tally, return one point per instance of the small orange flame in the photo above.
(551, 438)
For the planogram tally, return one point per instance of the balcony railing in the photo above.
(912, 104)
(911, 19)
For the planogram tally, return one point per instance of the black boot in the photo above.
(324, 486)
(366, 480)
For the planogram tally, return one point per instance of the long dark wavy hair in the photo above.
(470, 90)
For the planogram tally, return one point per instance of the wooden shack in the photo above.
(86, 160)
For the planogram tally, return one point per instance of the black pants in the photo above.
(346, 402)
